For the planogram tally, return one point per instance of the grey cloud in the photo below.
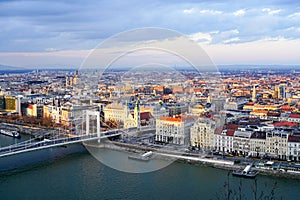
(66, 24)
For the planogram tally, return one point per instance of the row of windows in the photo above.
(257, 143)
(295, 145)
(295, 152)
(202, 136)
(278, 144)
(257, 149)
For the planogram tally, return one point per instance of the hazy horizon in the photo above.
(221, 67)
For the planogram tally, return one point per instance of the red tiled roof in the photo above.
(177, 119)
(218, 131)
(294, 138)
(145, 115)
(230, 132)
(288, 124)
(273, 113)
(232, 126)
(294, 115)
(159, 88)
(171, 119)
(286, 107)
(260, 111)
(198, 90)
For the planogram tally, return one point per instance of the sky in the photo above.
(50, 33)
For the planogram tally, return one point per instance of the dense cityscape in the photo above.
(242, 114)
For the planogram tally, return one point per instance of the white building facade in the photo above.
(202, 134)
(277, 144)
(173, 130)
(224, 141)
(293, 148)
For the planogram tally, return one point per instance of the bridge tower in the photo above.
(87, 124)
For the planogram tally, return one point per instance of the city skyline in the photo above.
(149, 99)
(60, 34)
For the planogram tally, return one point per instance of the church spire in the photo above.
(137, 114)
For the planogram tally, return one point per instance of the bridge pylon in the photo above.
(87, 118)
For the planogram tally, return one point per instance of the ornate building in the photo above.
(277, 144)
(202, 134)
(132, 120)
(126, 117)
(174, 130)
(72, 80)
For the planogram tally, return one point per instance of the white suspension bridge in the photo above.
(54, 138)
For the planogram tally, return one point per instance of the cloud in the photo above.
(44, 59)
(213, 12)
(228, 36)
(280, 38)
(240, 12)
(202, 11)
(214, 37)
(270, 11)
(265, 51)
(52, 25)
(189, 11)
(293, 29)
(294, 15)
(201, 37)
(39, 25)
(231, 40)
(51, 49)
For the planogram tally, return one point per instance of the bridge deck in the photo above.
(32, 145)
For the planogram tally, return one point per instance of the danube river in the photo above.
(80, 176)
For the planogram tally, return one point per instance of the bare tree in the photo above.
(236, 193)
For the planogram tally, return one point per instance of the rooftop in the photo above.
(293, 138)
(243, 134)
(177, 119)
(287, 124)
(294, 115)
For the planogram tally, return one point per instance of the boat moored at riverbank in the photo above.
(145, 157)
(14, 134)
(245, 173)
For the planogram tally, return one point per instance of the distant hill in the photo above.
(13, 68)
(270, 67)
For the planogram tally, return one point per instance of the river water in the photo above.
(81, 176)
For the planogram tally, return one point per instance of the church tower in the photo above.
(75, 79)
(254, 94)
(67, 81)
(137, 115)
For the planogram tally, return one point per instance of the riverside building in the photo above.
(202, 134)
(174, 130)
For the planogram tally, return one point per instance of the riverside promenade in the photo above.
(191, 158)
